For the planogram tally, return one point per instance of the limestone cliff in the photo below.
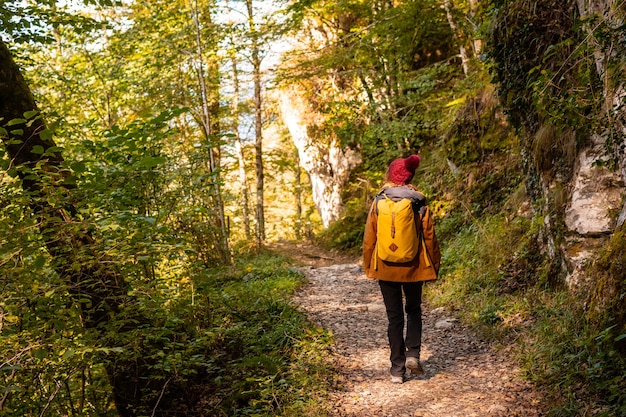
(565, 93)
(325, 161)
(596, 202)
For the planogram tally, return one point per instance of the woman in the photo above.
(395, 278)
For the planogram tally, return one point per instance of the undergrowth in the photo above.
(270, 360)
(220, 342)
(494, 278)
(480, 277)
(346, 235)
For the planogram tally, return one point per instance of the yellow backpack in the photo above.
(397, 237)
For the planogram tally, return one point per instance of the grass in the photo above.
(278, 363)
(493, 277)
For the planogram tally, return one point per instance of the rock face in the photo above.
(597, 194)
(327, 164)
(595, 207)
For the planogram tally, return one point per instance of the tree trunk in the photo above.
(39, 163)
(457, 34)
(245, 201)
(258, 125)
(241, 160)
(209, 130)
(95, 283)
(298, 196)
(476, 43)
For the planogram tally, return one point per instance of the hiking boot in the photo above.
(413, 365)
(397, 379)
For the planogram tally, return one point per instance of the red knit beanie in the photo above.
(401, 170)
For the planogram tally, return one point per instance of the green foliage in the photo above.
(546, 75)
(377, 85)
(609, 299)
(148, 197)
(473, 264)
(566, 349)
(269, 360)
(419, 120)
(608, 34)
(492, 272)
(478, 128)
(346, 234)
(233, 329)
(35, 21)
(49, 361)
(228, 336)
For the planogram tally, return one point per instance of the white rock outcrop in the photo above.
(597, 195)
(327, 164)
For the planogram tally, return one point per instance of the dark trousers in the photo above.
(401, 346)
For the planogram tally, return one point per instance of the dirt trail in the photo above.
(464, 376)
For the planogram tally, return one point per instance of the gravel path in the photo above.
(464, 375)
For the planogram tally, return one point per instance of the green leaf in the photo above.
(39, 262)
(620, 337)
(40, 353)
(13, 141)
(12, 388)
(10, 368)
(30, 114)
(14, 122)
(46, 134)
(52, 150)
(78, 166)
(11, 318)
(151, 161)
(37, 149)
(18, 132)
(66, 354)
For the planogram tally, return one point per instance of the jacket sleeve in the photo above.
(430, 238)
(369, 238)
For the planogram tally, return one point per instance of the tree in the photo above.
(96, 285)
(447, 4)
(255, 54)
(167, 59)
(210, 122)
(241, 160)
(96, 282)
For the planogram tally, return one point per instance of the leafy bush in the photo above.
(268, 359)
(228, 337)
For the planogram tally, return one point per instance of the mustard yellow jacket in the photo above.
(425, 265)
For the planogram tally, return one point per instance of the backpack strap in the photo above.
(418, 204)
(426, 256)
(381, 195)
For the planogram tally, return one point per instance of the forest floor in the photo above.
(465, 376)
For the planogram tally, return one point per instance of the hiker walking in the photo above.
(401, 251)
